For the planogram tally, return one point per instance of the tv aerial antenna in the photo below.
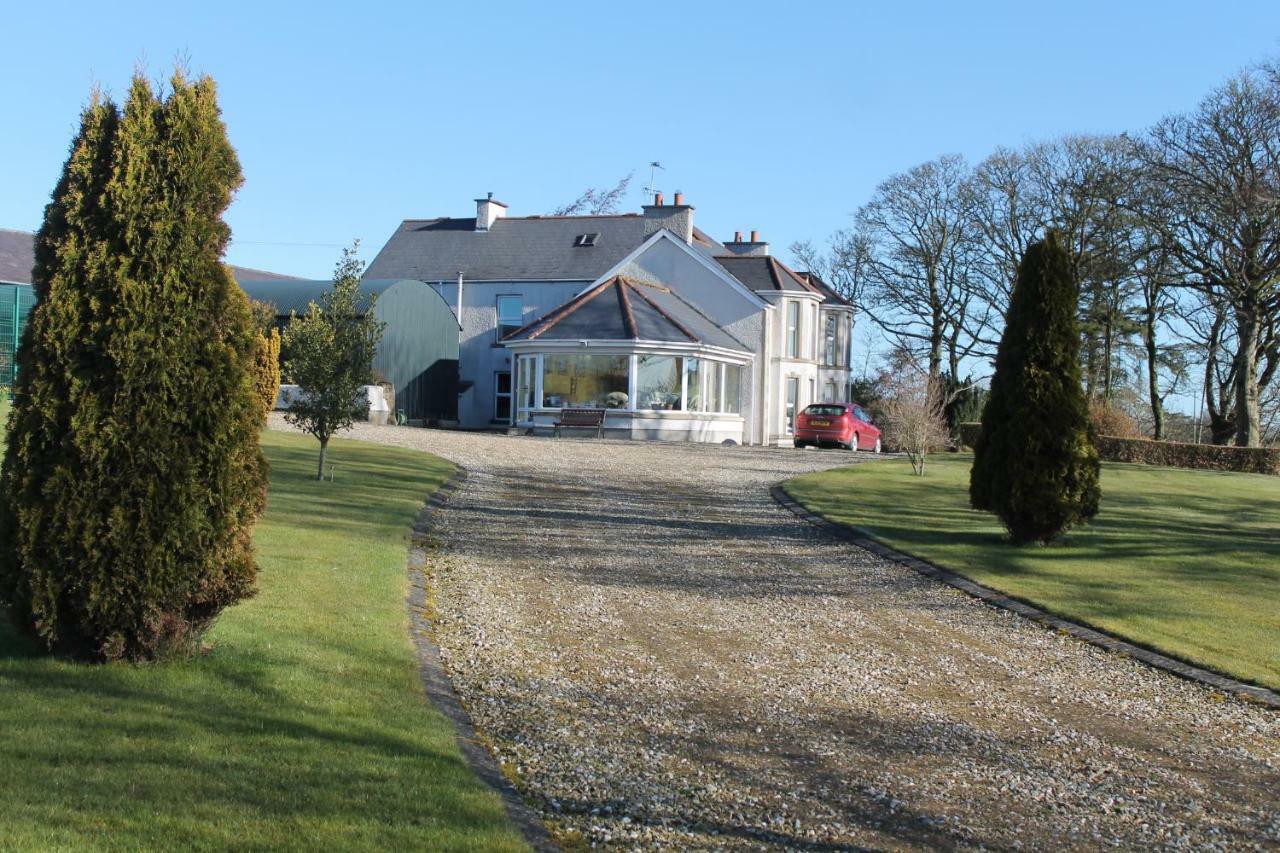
(653, 171)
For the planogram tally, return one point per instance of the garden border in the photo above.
(439, 686)
(864, 539)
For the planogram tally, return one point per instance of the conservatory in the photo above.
(657, 366)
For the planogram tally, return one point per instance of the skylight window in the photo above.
(586, 240)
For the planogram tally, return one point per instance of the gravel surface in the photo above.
(660, 656)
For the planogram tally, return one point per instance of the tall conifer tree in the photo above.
(1034, 464)
(133, 476)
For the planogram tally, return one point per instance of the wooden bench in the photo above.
(581, 418)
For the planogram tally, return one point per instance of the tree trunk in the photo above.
(1248, 417)
(1153, 377)
(324, 449)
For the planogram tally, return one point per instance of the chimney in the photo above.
(676, 218)
(755, 247)
(488, 211)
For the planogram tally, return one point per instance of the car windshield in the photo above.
(829, 411)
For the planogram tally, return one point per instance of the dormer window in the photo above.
(586, 240)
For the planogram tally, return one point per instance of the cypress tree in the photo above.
(266, 369)
(132, 476)
(1034, 464)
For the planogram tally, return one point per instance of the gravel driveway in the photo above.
(661, 656)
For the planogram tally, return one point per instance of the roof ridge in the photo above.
(684, 330)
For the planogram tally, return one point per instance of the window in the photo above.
(733, 389)
(586, 240)
(813, 390)
(524, 397)
(793, 392)
(812, 350)
(502, 396)
(593, 381)
(695, 384)
(658, 382)
(710, 387)
(793, 329)
(510, 315)
(829, 392)
(831, 335)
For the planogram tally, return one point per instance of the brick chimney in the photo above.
(755, 247)
(488, 211)
(676, 218)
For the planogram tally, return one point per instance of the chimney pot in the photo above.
(755, 236)
(737, 236)
(657, 199)
(679, 198)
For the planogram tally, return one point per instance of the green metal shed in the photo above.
(16, 301)
(419, 349)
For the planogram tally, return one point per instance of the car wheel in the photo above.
(799, 445)
(877, 450)
(853, 442)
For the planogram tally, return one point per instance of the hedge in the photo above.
(1172, 454)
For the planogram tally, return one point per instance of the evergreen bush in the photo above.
(132, 476)
(1035, 464)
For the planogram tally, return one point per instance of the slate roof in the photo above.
(17, 257)
(830, 297)
(623, 309)
(515, 248)
(765, 272)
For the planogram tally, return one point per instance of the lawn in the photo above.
(1186, 562)
(303, 727)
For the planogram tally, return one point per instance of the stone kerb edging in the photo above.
(864, 539)
(440, 688)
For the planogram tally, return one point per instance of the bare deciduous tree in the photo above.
(596, 202)
(1219, 168)
(913, 412)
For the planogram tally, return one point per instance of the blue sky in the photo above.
(778, 117)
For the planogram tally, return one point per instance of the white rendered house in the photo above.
(677, 336)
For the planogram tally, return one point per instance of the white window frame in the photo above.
(793, 329)
(789, 420)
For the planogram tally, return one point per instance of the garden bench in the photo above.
(581, 418)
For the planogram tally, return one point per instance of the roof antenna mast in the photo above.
(653, 171)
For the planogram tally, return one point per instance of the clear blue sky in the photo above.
(781, 117)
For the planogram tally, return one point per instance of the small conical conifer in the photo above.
(1034, 464)
(132, 476)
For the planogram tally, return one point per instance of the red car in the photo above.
(842, 424)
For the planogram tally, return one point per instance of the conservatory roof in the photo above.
(622, 308)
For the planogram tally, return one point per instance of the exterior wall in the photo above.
(781, 367)
(480, 355)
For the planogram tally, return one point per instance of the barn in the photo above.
(419, 349)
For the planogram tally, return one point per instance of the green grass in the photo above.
(304, 727)
(1186, 562)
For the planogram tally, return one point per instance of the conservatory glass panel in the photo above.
(588, 381)
(658, 382)
(733, 389)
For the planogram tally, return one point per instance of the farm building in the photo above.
(418, 353)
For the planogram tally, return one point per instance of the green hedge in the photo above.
(969, 433)
(1172, 454)
(1209, 457)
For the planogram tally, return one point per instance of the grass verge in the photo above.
(1185, 562)
(304, 727)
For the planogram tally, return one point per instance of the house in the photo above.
(677, 335)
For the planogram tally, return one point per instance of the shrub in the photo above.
(1034, 462)
(969, 432)
(913, 416)
(266, 369)
(132, 476)
(1173, 454)
(1107, 419)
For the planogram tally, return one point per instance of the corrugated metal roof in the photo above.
(296, 295)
